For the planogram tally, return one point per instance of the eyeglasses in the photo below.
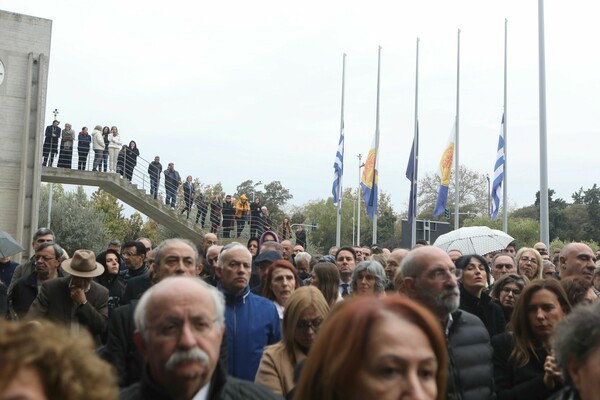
(304, 325)
(443, 274)
(527, 259)
(503, 266)
(128, 254)
(40, 241)
(252, 246)
(44, 258)
(507, 290)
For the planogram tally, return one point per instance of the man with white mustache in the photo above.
(431, 278)
(179, 329)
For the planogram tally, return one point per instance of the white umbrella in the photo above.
(474, 240)
(8, 245)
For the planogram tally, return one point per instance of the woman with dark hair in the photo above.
(305, 312)
(377, 348)
(473, 299)
(252, 246)
(121, 161)
(131, 154)
(368, 279)
(326, 277)
(255, 217)
(506, 292)
(524, 365)
(110, 260)
(578, 289)
(280, 281)
(104, 161)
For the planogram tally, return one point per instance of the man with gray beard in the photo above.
(179, 325)
(431, 278)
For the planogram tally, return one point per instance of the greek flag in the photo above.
(338, 170)
(498, 174)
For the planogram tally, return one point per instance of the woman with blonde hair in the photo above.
(377, 348)
(529, 263)
(285, 230)
(305, 312)
(114, 145)
(44, 361)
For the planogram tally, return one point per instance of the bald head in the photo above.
(577, 259)
(208, 240)
(393, 262)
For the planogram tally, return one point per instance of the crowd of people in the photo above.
(104, 144)
(266, 319)
(229, 216)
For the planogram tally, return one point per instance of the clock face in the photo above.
(2, 72)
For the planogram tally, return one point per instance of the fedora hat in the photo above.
(83, 264)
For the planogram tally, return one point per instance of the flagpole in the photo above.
(504, 182)
(544, 222)
(413, 225)
(376, 172)
(338, 227)
(456, 145)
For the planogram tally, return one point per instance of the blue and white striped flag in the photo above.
(338, 169)
(498, 174)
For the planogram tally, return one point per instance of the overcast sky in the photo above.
(237, 90)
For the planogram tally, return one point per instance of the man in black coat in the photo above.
(154, 170)
(228, 214)
(52, 135)
(179, 331)
(430, 278)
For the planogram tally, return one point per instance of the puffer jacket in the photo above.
(98, 140)
(470, 369)
(252, 323)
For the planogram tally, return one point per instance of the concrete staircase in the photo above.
(128, 193)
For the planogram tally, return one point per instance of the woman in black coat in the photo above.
(524, 364)
(131, 155)
(473, 299)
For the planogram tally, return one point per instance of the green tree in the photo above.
(75, 221)
(473, 195)
(591, 200)
(274, 196)
(526, 231)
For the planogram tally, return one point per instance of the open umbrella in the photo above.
(8, 245)
(474, 240)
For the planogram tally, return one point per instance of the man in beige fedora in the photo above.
(75, 301)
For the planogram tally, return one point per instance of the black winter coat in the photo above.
(525, 383)
(489, 312)
(470, 371)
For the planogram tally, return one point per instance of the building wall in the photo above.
(24, 52)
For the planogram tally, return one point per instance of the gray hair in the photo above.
(577, 336)
(303, 256)
(503, 255)
(227, 248)
(168, 242)
(375, 269)
(277, 246)
(43, 232)
(140, 316)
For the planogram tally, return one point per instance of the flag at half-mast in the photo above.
(412, 175)
(445, 169)
(498, 174)
(369, 180)
(338, 169)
